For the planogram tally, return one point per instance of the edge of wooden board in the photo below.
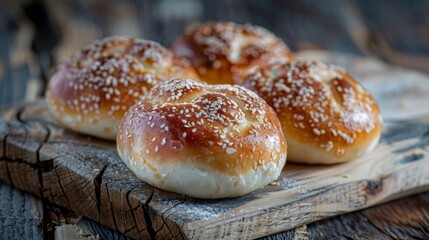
(303, 194)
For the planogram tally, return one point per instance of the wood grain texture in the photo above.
(20, 215)
(85, 174)
(401, 219)
(406, 218)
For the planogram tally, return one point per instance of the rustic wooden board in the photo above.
(85, 174)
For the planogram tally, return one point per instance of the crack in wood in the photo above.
(39, 166)
(127, 196)
(91, 184)
(97, 185)
(45, 166)
(61, 187)
(147, 217)
(4, 145)
(112, 210)
(19, 113)
(48, 230)
(163, 219)
(130, 229)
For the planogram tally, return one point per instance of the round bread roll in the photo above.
(204, 141)
(326, 115)
(93, 89)
(224, 53)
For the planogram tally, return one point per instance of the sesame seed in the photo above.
(316, 131)
(230, 150)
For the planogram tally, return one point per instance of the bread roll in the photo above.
(204, 141)
(224, 53)
(326, 115)
(91, 91)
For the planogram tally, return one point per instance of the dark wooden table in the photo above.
(35, 35)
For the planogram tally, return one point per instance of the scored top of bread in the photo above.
(207, 141)
(225, 52)
(91, 90)
(326, 115)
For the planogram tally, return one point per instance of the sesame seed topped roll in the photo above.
(205, 141)
(91, 91)
(224, 53)
(326, 115)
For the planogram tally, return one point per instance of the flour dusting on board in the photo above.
(197, 212)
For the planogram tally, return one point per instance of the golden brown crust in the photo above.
(319, 106)
(215, 127)
(224, 53)
(107, 78)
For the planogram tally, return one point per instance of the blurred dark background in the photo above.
(37, 34)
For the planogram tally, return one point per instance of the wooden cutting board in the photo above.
(85, 174)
